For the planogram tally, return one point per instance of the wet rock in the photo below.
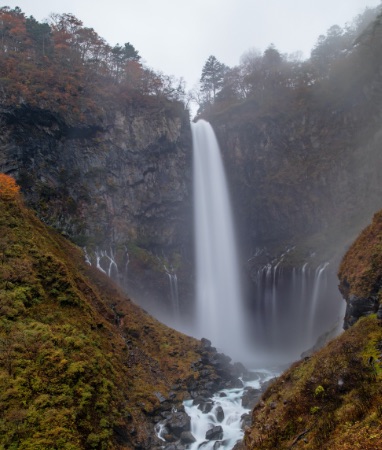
(219, 412)
(215, 433)
(358, 307)
(160, 397)
(206, 343)
(174, 447)
(206, 407)
(187, 437)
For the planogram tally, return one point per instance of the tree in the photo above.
(40, 33)
(122, 55)
(212, 77)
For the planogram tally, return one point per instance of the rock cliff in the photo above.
(118, 185)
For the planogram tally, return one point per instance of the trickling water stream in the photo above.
(219, 315)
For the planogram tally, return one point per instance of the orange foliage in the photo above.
(9, 190)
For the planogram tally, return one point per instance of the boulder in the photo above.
(178, 422)
(206, 407)
(219, 413)
(215, 433)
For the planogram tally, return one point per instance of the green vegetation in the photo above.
(78, 360)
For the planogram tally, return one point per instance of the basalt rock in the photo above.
(178, 423)
(120, 184)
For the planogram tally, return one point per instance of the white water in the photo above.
(219, 314)
(233, 411)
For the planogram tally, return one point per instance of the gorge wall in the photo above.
(120, 185)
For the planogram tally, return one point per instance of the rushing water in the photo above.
(219, 314)
(230, 402)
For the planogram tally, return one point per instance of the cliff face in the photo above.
(119, 184)
(301, 174)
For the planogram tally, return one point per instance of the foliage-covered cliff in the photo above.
(329, 401)
(100, 145)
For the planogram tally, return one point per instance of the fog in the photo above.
(177, 37)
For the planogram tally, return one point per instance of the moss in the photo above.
(68, 374)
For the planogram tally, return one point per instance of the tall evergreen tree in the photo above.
(212, 77)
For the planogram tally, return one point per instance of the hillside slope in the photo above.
(80, 365)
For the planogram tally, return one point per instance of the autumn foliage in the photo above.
(9, 190)
(67, 68)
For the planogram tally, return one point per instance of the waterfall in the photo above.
(174, 293)
(293, 307)
(218, 296)
(315, 298)
(102, 256)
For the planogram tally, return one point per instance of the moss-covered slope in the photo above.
(80, 365)
(332, 400)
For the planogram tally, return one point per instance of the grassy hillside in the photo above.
(80, 365)
(329, 401)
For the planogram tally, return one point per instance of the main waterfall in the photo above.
(218, 294)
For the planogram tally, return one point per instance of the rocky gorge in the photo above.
(108, 170)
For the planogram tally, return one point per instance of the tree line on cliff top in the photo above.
(65, 67)
(340, 59)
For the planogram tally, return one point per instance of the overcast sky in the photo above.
(177, 36)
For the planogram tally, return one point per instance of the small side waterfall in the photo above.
(106, 262)
(174, 293)
(218, 296)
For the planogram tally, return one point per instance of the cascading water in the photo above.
(218, 295)
(293, 307)
(173, 281)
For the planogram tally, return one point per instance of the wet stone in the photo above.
(215, 433)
